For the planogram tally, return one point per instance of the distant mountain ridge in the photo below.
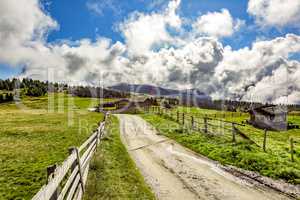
(144, 89)
(195, 94)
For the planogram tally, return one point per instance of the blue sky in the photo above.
(76, 21)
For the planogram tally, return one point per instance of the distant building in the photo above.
(270, 117)
(127, 105)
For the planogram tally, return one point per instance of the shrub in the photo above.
(9, 97)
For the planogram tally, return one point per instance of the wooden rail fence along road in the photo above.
(213, 126)
(204, 123)
(67, 181)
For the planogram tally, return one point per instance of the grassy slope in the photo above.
(31, 138)
(113, 175)
(277, 142)
(274, 163)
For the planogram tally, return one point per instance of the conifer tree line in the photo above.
(28, 87)
(36, 88)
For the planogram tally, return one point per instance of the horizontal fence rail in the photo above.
(208, 124)
(201, 123)
(67, 181)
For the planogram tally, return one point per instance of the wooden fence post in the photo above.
(292, 149)
(79, 167)
(71, 150)
(192, 119)
(265, 140)
(50, 175)
(205, 125)
(183, 118)
(98, 137)
(178, 116)
(233, 133)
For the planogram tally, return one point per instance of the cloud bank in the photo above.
(156, 50)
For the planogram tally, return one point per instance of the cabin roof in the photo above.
(271, 110)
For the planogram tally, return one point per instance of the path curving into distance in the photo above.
(174, 172)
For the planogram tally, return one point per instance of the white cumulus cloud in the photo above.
(217, 24)
(142, 32)
(262, 70)
(277, 13)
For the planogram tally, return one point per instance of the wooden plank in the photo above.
(68, 184)
(292, 149)
(87, 141)
(47, 191)
(265, 140)
(73, 188)
(80, 168)
(86, 153)
(88, 158)
(244, 136)
(205, 125)
(51, 170)
(79, 194)
(85, 144)
(225, 121)
(233, 133)
(102, 130)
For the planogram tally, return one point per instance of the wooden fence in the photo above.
(221, 114)
(68, 180)
(205, 124)
(214, 126)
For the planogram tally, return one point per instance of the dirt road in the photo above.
(174, 172)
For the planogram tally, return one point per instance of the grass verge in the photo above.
(242, 154)
(113, 175)
(37, 133)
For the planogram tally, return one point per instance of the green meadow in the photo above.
(36, 133)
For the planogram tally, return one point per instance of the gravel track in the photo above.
(173, 172)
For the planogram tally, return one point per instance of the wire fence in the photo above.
(229, 130)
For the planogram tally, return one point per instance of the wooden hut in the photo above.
(270, 117)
